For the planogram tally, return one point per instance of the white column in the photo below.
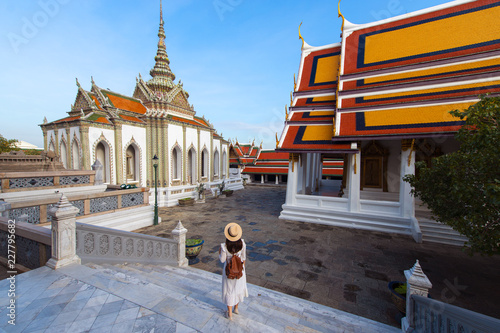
(354, 178)
(406, 200)
(262, 179)
(63, 234)
(293, 180)
(277, 180)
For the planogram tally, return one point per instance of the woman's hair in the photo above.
(234, 247)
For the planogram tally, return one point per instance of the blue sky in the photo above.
(236, 58)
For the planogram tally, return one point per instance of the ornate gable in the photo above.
(181, 100)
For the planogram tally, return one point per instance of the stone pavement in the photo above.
(346, 269)
(153, 298)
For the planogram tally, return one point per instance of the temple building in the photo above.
(125, 132)
(379, 101)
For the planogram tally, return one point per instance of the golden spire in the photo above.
(294, 83)
(291, 98)
(277, 141)
(286, 112)
(161, 73)
(343, 18)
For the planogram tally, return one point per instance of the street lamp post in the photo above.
(155, 165)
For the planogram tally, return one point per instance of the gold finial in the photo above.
(277, 141)
(300, 35)
(294, 83)
(161, 13)
(343, 18)
(291, 99)
(261, 143)
(286, 112)
(78, 83)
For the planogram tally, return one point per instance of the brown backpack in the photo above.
(234, 268)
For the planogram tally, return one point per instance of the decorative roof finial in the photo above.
(343, 18)
(161, 73)
(286, 112)
(92, 80)
(294, 83)
(291, 98)
(300, 35)
(45, 120)
(78, 83)
(277, 140)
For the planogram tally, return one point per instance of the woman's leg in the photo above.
(229, 312)
(236, 309)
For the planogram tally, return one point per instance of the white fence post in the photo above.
(179, 235)
(417, 283)
(63, 234)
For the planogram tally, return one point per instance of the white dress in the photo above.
(233, 290)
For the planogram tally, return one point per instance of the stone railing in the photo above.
(424, 314)
(37, 211)
(32, 244)
(169, 196)
(98, 244)
(26, 181)
(430, 315)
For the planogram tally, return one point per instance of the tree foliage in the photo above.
(462, 189)
(7, 145)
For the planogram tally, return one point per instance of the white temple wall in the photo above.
(138, 136)
(191, 138)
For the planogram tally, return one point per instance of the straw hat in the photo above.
(233, 232)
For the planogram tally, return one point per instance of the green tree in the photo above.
(462, 189)
(7, 145)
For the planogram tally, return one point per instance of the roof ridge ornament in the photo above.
(343, 18)
(304, 44)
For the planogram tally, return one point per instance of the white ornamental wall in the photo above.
(74, 136)
(136, 135)
(107, 135)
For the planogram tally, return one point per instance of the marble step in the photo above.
(192, 292)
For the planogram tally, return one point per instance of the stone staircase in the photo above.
(436, 232)
(192, 298)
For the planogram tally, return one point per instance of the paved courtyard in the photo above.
(346, 269)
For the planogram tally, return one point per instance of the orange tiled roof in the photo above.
(125, 103)
(67, 119)
(103, 120)
(129, 118)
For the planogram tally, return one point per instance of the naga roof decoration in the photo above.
(395, 78)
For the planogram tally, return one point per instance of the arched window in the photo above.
(75, 154)
(52, 147)
(102, 154)
(64, 154)
(204, 163)
(191, 167)
(132, 163)
(176, 163)
(216, 163)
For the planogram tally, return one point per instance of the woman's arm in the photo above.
(222, 253)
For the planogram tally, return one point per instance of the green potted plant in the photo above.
(398, 294)
(186, 201)
(228, 193)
